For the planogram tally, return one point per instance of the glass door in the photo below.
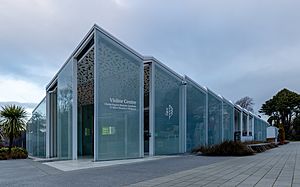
(86, 131)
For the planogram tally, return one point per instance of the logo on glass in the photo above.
(169, 111)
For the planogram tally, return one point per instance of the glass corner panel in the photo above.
(64, 111)
(36, 131)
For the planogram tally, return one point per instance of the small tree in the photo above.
(282, 108)
(12, 122)
(246, 103)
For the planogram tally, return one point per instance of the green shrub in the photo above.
(227, 148)
(19, 153)
(4, 153)
(16, 153)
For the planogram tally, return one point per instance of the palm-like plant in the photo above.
(1, 136)
(12, 122)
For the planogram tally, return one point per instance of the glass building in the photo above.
(109, 102)
(196, 114)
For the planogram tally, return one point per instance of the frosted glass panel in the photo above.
(196, 117)
(166, 112)
(64, 112)
(36, 132)
(228, 125)
(214, 120)
(118, 84)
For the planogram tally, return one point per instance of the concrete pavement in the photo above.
(276, 167)
(30, 173)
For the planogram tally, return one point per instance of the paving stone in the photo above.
(276, 167)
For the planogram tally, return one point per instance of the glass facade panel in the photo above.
(228, 125)
(255, 129)
(259, 130)
(64, 111)
(214, 119)
(167, 90)
(260, 135)
(264, 130)
(250, 125)
(196, 117)
(118, 101)
(30, 138)
(36, 132)
(237, 123)
(245, 124)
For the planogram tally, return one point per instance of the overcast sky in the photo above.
(236, 48)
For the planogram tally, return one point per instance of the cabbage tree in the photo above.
(12, 122)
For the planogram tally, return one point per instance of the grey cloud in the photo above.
(236, 48)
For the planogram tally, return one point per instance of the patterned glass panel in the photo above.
(166, 117)
(118, 84)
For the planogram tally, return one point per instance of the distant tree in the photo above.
(12, 122)
(246, 103)
(296, 128)
(296, 121)
(282, 108)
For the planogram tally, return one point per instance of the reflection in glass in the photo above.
(228, 121)
(214, 119)
(64, 111)
(36, 132)
(196, 117)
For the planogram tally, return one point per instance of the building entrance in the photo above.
(85, 102)
(86, 130)
(147, 132)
